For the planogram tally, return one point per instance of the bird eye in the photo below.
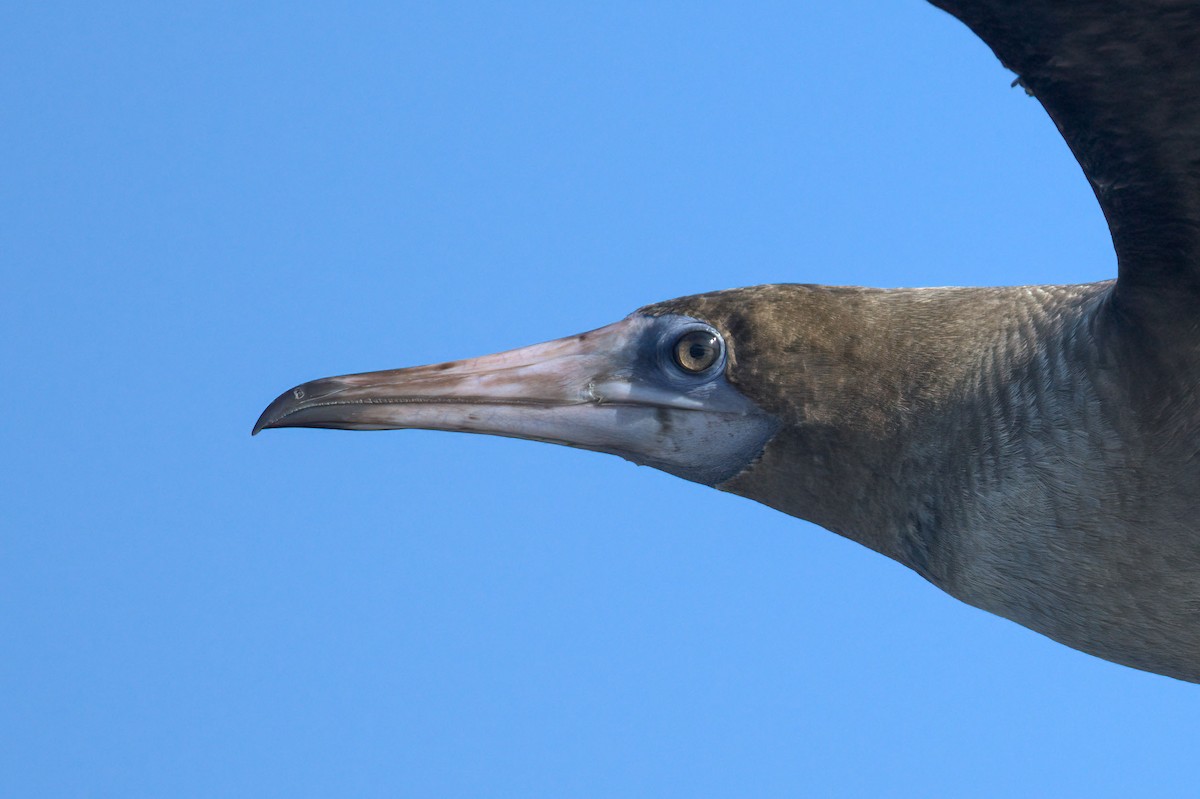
(697, 350)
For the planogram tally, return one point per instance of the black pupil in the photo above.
(698, 351)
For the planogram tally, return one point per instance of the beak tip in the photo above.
(281, 407)
(268, 419)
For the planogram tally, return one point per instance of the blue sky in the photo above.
(204, 204)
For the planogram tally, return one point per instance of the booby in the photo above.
(1033, 451)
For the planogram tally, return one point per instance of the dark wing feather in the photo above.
(1121, 80)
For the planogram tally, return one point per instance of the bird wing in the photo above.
(1121, 80)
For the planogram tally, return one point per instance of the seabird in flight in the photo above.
(1033, 451)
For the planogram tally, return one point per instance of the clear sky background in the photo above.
(202, 205)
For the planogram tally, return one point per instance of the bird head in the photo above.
(658, 388)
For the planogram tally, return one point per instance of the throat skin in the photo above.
(994, 440)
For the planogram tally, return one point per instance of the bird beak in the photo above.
(519, 393)
(587, 391)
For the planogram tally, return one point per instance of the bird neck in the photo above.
(902, 408)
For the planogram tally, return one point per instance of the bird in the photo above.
(1033, 451)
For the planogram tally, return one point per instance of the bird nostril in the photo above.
(298, 393)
